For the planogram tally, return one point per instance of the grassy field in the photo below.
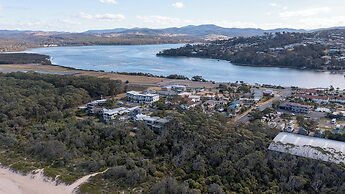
(134, 80)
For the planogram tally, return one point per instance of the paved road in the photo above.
(261, 106)
(280, 94)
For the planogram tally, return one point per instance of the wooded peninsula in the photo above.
(322, 50)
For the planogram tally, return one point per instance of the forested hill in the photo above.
(20, 41)
(323, 50)
(24, 58)
(197, 153)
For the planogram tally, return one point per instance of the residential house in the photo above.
(94, 106)
(316, 99)
(176, 88)
(248, 101)
(235, 106)
(337, 99)
(295, 107)
(194, 98)
(189, 104)
(112, 114)
(142, 98)
(324, 110)
(157, 124)
(211, 105)
(185, 94)
(168, 93)
(268, 93)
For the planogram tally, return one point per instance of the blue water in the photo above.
(144, 59)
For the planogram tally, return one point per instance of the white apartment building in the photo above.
(138, 97)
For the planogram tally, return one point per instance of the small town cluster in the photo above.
(317, 112)
(333, 41)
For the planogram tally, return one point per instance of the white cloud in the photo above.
(157, 21)
(1, 7)
(178, 5)
(321, 22)
(305, 12)
(108, 1)
(106, 16)
(279, 6)
(68, 22)
(85, 15)
(160, 20)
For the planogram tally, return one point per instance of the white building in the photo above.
(93, 107)
(315, 98)
(295, 107)
(325, 110)
(185, 94)
(138, 97)
(155, 123)
(309, 147)
(112, 114)
(97, 102)
(340, 100)
(268, 93)
(176, 88)
(193, 98)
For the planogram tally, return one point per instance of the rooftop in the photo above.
(295, 104)
(313, 97)
(310, 147)
(98, 101)
(142, 117)
(138, 93)
(114, 111)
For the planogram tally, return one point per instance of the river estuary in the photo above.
(144, 59)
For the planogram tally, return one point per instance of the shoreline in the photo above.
(258, 66)
(135, 80)
(12, 182)
(27, 50)
(140, 81)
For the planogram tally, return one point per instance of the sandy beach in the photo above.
(13, 183)
(35, 183)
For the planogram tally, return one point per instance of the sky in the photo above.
(82, 15)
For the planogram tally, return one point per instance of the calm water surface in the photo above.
(144, 59)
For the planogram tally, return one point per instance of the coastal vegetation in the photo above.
(40, 127)
(24, 58)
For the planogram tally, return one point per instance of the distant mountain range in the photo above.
(201, 31)
(14, 40)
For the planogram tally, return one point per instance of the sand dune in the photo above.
(35, 183)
